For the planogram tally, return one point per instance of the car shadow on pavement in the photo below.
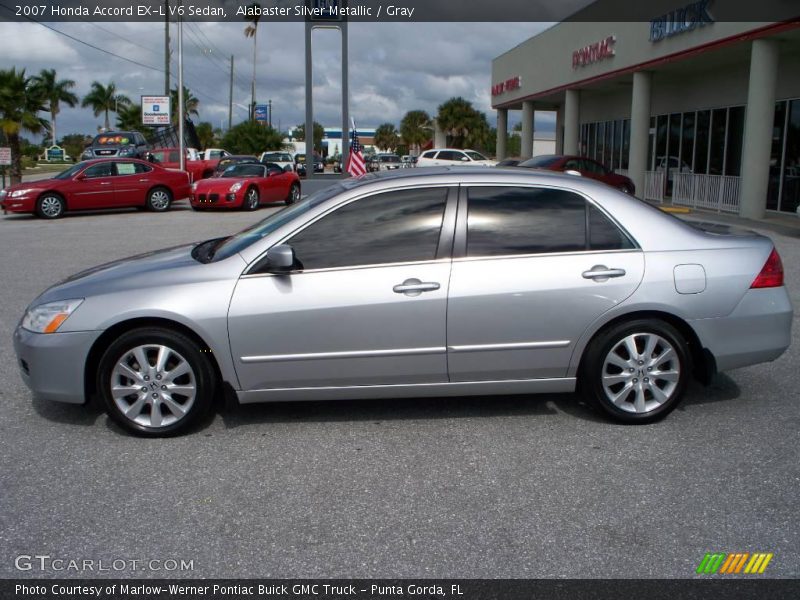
(397, 409)
(721, 389)
(70, 414)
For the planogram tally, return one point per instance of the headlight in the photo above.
(47, 318)
(126, 151)
(194, 187)
(236, 187)
(18, 193)
(3, 193)
(86, 154)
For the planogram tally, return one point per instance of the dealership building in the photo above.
(696, 108)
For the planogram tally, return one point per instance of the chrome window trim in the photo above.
(511, 346)
(546, 254)
(332, 269)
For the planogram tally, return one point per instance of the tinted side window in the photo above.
(509, 220)
(141, 168)
(604, 234)
(392, 227)
(100, 170)
(449, 155)
(429, 154)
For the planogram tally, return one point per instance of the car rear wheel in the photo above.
(251, 200)
(637, 371)
(50, 206)
(155, 382)
(159, 199)
(294, 194)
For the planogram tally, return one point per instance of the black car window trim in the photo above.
(443, 247)
(460, 242)
(113, 172)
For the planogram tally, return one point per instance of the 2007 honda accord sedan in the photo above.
(420, 282)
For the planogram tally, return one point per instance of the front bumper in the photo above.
(23, 204)
(52, 365)
(758, 330)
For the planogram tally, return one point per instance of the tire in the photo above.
(50, 206)
(159, 199)
(294, 194)
(641, 385)
(150, 409)
(251, 199)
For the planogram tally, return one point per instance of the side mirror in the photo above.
(464, 159)
(280, 259)
(572, 172)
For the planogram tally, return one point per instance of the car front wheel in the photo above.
(155, 382)
(50, 206)
(251, 200)
(637, 371)
(294, 194)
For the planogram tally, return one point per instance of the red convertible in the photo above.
(246, 186)
(100, 183)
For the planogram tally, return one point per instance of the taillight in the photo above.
(771, 274)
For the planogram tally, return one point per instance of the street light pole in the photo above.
(181, 143)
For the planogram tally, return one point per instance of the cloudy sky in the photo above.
(394, 67)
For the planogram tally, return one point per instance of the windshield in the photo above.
(389, 158)
(475, 155)
(545, 160)
(69, 173)
(112, 140)
(243, 239)
(244, 170)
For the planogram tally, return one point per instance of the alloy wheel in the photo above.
(51, 206)
(641, 372)
(153, 386)
(159, 200)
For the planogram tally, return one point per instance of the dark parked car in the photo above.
(300, 164)
(508, 162)
(585, 166)
(123, 144)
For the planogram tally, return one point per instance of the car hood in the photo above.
(136, 272)
(219, 182)
(39, 184)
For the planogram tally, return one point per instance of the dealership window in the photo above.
(607, 142)
(626, 144)
(733, 146)
(716, 161)
(790, 191)
(776, 155)
(687, 139)
(701, 144)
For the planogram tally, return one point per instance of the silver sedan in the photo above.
(423, 282)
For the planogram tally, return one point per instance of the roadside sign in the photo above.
(261, 113)
(155, 110)
(5, 156)
(54, 154)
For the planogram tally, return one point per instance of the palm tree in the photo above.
(416, 129)
(55, 92)
(299, 134)
(457, 118)
(251, 31)
(205, 134)
(129, 117)
(386, 137)
(20, 103)
(190, 103)
(104, 99)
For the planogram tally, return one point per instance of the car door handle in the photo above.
(144, 180)
(601, 273)
(104, 182)
(414, 287)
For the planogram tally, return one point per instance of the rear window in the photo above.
(429, 154)
(544, 161)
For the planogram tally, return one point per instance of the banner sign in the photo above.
(155, 110)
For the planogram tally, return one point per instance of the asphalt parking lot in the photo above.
(513, 487)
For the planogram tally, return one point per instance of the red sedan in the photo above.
(100, 183)
(585, 166)
(247, 186)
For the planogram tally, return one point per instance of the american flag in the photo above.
(355, 160)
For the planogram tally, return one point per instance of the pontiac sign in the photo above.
(594, 52)
(681, 20)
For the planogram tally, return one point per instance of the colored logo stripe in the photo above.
(732, 563)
